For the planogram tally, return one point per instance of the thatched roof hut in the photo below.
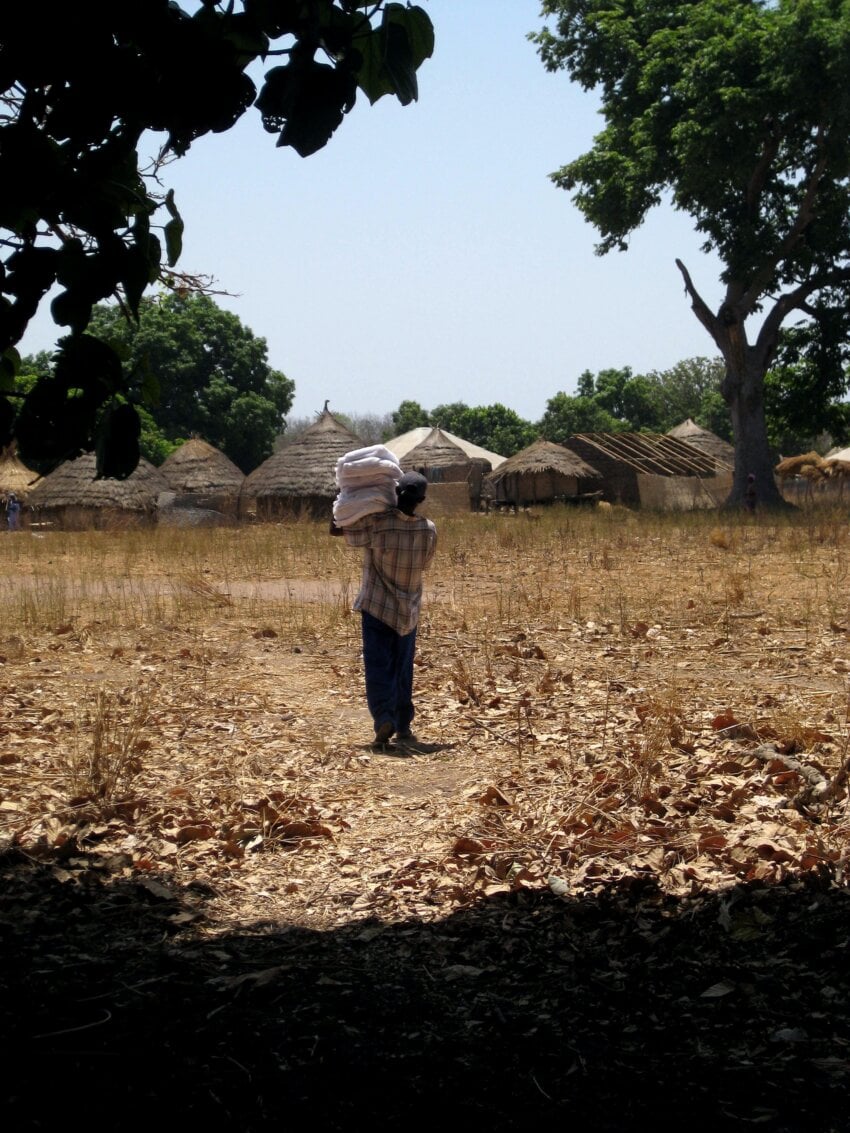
(541, 473)
(402, 444)
(73, 497)
(14, 475)
(721, 451)
(438, 458)
(300, 479)
(202, 479)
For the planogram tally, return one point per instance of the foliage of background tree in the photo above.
(566, 415)
(803, 392)
(81, 87)
(199, 372)
(741, 111)
(409, 415)
(493, 427)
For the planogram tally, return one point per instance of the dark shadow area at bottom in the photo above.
(123, 1004)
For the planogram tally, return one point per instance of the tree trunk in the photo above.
(743, 390)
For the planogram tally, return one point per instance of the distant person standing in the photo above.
(13, 512)
(398, 547)
(750, 494)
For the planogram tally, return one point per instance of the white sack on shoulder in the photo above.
(374, 462)
(353, 504)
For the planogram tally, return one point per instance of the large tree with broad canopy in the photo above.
(739, 110)
(82, 88)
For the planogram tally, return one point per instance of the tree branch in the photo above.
(759, 177)
(698, 305)
(795, 300)
(805, 214)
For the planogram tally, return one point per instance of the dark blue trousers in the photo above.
(388, 664)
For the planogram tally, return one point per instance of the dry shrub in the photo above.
(662, 726)
(108, 742)
(735, 589)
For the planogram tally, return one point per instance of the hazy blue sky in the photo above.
(424, 253)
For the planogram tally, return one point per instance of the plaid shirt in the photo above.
(396, 550)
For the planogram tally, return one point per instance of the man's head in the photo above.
(410, 491)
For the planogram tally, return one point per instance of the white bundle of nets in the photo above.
(367, 479)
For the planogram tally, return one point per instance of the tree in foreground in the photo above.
(740, 110)
(82, 87)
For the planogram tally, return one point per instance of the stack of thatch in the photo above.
(72, 496)
(14, 475)
(300, 479)
(810, 465)
(542, 472)
(202, 479)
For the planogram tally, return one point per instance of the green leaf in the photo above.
(72, 308)
(391, 54)
(117, 443)
(398, 63)
(7, 422)
(10, 364)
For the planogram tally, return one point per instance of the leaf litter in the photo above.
(614, 825)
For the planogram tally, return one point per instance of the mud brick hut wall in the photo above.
(619, 483)
(653, 470)
(524, 488)
(682, 493)
(445, 499)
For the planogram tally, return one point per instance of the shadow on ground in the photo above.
(123, 1003)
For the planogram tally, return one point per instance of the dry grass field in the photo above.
(611, 885)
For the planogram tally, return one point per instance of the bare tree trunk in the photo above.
(743, 390)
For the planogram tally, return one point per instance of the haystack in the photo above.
(202, 479)
(810, 465)
(541, 473)
(300, 479)
(14, 475)
(72, 497)
(692, 434)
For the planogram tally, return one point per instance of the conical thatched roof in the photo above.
(545, 456)
(402, 444)
(708, 442)
(73, 484)
(435, 450)
(198, 467)
(307, 467)
(14, 475)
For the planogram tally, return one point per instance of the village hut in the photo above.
(73, 498)
(455, 468)
(542, 473)
(719, 450)
(300, 479)
(402, 444)
(653, 470)
(438, 458)
(205, 483)
(15, 477)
